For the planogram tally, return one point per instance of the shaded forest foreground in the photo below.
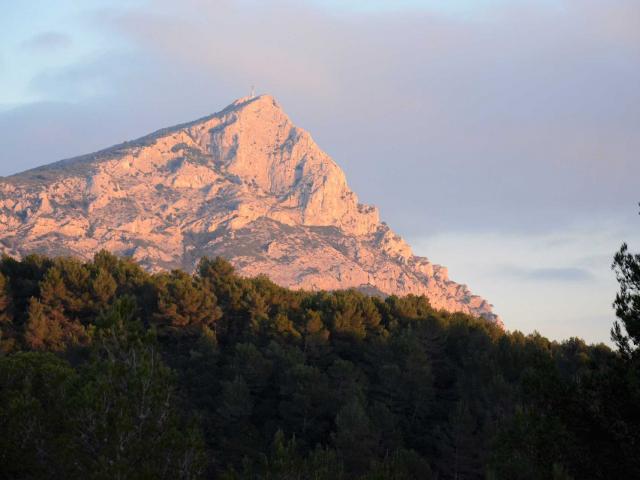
(110, 372)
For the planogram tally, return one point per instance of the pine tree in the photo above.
(104, 287)
(7, 333)
(124, 407)
(184, 301)
(626, 333)
(355, 439)
(42, 332)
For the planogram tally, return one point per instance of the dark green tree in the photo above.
(35, 412)
(7, 329)
(355, 439)
(124, 407)
(626, 332)
(183, 301)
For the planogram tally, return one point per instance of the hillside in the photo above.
(109, 371)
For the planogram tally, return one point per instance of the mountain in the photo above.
(245, 184)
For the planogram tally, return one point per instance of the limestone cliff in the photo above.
(244, 183)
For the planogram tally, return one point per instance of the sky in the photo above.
(500, 138)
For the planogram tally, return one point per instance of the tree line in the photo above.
(108, 371)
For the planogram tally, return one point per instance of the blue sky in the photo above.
(24, 22)
(498, 137)
(460, 7)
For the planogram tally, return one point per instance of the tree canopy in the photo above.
(108, 371)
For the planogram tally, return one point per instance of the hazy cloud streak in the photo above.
(47, 42)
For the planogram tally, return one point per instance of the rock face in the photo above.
(244, 183)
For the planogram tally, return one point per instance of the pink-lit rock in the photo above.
(244, 183)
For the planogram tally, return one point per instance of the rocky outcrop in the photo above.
(244, 183)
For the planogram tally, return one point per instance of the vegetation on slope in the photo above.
(108, 371)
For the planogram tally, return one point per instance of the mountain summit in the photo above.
(245, 184)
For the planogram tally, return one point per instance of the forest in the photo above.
(110, 372)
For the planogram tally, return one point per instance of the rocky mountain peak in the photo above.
(244, 183)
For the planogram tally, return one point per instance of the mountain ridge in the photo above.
(244, 183)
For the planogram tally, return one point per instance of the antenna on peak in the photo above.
(253, 91)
